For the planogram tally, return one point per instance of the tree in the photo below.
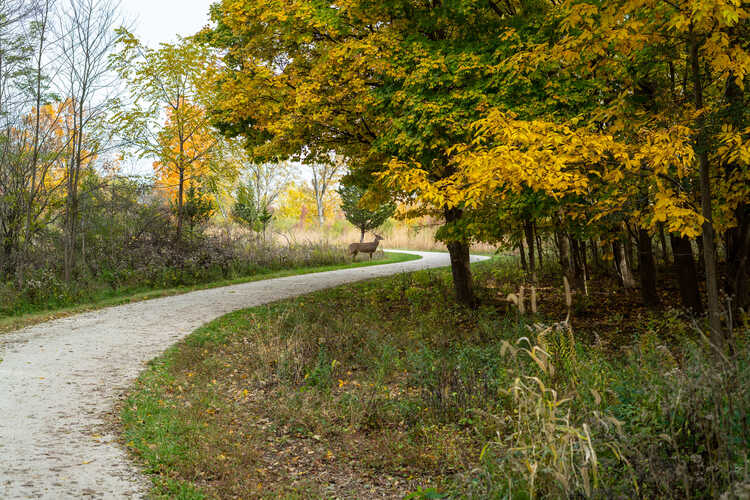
(245, 210)
(197, 209)
(630, 115)
(323, 176)
(361, 217)
(169, 78)
(87, 39)
(369, 81)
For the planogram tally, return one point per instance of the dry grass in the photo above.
(398, 235)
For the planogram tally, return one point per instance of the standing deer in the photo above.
(368, 247)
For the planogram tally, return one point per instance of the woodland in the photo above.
(598, 150)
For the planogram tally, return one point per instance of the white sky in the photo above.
(157, 21)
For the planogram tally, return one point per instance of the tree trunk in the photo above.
(522, 251)
(628, 247)
(595, 253)
(460, 263)
(709, 243)
(69, 250)
(684, 265)
(623, 267)
(321, 212)
(539, 254)
(585, 262)
(180, 203)
(528, 230)
(647, 269)
(362, 236)
(663, 240)
(577, 267)
(565, 261)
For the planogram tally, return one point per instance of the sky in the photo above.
(157, 21)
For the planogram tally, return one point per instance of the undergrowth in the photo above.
(45, 290)
(385, 389)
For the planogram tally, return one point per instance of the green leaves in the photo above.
(358, 215)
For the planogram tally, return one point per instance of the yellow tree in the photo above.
(171, 77)
(185, 159)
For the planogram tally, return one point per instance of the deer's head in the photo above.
(378, 237)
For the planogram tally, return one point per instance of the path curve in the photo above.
(58, 380)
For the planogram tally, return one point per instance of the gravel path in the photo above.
(58, 381)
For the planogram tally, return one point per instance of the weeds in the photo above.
(208, 262)
(380, 387)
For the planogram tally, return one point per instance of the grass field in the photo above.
(385, 389)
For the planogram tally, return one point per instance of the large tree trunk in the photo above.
(709, 242)
(628, 247)
(647, 269)
(687, 275)
(362, 236)
(460, 263)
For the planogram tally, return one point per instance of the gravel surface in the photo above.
(59, 380)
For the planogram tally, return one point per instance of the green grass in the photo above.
(111, 298)
(386, 387)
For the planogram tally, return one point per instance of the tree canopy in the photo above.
(625, 115)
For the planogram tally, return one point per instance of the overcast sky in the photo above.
(158, 21)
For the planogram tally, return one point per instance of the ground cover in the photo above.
(384, 389)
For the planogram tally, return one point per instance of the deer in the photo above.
(367, 247)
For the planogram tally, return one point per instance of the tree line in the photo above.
(604, 127)
(80, 96)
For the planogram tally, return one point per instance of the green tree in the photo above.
(197, 209)
(245, 210)
(359, 216)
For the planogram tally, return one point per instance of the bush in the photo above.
(154, 262)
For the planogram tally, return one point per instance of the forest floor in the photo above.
(388, 388)
(116, 298)
(59, 381)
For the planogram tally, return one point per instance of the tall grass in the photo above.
(398, 235)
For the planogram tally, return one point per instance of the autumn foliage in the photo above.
(615, 121)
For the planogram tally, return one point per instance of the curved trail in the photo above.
(58, 380)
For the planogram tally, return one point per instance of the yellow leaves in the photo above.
(674, 210)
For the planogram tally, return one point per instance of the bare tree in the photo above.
(324, 176)
(30, 146)
(87, 39)
(268, 181)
